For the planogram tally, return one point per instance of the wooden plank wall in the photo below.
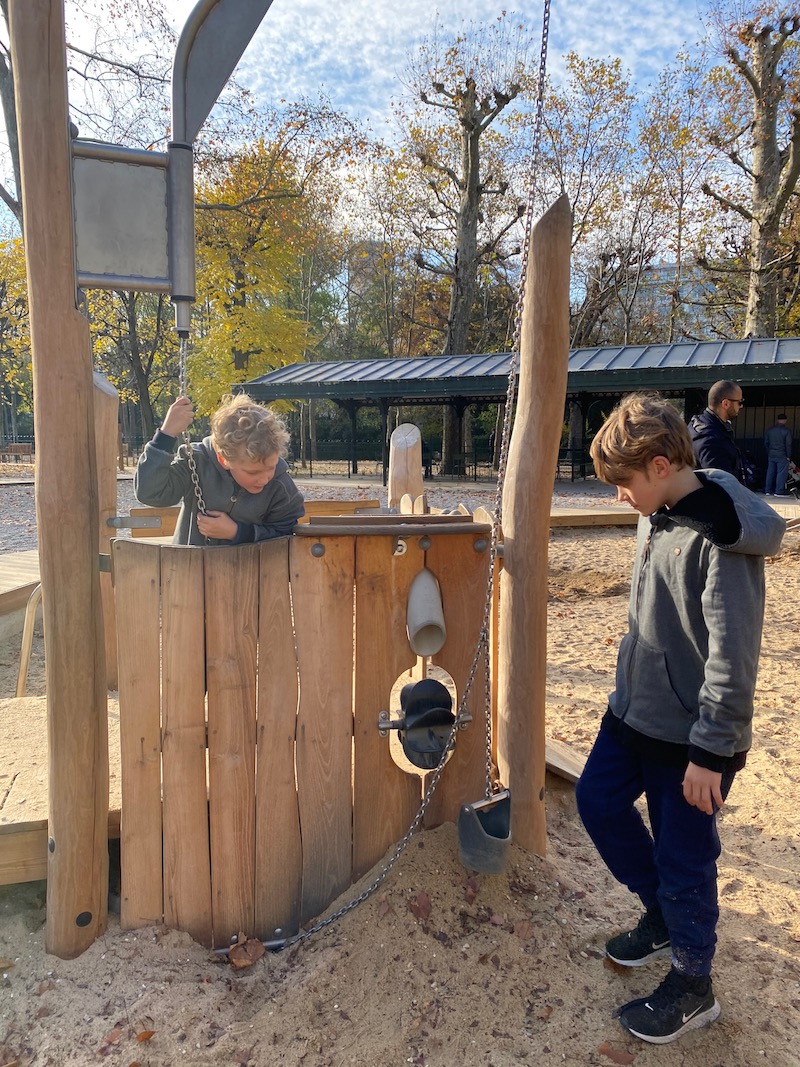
(256, 787)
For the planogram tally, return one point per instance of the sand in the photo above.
(441, 968)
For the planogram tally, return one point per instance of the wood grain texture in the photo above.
(231, 586)
(187, 872)
(527, 495)
(278, 847)
(66, 489)
(322, 595)
(137, 592)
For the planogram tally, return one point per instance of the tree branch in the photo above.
(723, 201)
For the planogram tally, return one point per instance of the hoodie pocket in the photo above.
(646, 689)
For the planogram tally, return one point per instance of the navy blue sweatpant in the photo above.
(675, 867)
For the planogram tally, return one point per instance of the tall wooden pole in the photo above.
(527, 494)
(66, 490)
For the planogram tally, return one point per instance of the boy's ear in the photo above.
(661, 466)
(223, 462)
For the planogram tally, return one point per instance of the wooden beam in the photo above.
(66, 489)
(528, 491)
(23, 849)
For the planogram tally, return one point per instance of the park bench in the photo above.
(19, 452)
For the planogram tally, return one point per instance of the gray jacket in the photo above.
(778, 440)
(163, 478)
(686, 671)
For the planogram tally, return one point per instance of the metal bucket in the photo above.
(484, 833)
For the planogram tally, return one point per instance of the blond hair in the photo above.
(241, 428)
(641, 427)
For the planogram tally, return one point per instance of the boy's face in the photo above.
(252, 475)
(646, 490)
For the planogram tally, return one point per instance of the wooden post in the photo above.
(405, 464)
(106, 429)
(66, 491)
(527, 495)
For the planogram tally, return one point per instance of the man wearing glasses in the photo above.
(712, 433)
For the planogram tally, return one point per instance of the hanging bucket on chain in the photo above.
(484, 833)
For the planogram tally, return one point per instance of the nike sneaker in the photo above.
(648, 941)
(681, 1003)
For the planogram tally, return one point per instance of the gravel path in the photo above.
(18, 512)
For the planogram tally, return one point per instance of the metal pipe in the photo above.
(180, 197)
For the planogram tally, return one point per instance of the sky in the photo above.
(356, 52)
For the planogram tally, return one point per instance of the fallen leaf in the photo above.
(6, 965)
(43, 1012)
(421, 905)
(545, 1012)
(384, 907)
(45, 986)
(524, 930)
(110, 1040)
(616, 1055)
(145, 1035)
(246, 953)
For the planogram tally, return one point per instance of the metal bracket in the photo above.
(387, 723)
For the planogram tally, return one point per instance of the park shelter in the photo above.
(768, 370)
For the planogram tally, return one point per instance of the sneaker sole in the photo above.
(656, 954)
(695, 1023)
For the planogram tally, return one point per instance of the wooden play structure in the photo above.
(256, 783)
(254, 808)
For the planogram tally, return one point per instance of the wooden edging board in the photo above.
(23, 849)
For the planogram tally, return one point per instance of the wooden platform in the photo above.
(605, 515)
(19, 576)
(23, 786)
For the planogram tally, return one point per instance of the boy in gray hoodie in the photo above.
(248, 493)
(678, 725)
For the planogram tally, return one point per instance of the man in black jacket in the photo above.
(712, 433)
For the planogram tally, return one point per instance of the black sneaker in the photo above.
(681, 1003)
(648, 941)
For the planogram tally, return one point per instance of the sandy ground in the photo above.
(442, 968)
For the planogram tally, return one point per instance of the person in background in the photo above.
(679, 722)
(778, 440)
(247, 490)
(712, 431)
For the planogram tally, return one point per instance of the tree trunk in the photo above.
(760, 319)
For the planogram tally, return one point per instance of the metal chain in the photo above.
(187, 441)
(482, 648)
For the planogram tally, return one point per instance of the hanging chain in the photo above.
(187, 441)
(483, 644)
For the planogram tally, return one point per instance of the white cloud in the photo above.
(356, 52)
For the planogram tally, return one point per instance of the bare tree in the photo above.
(463, 87)
(764, 150)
